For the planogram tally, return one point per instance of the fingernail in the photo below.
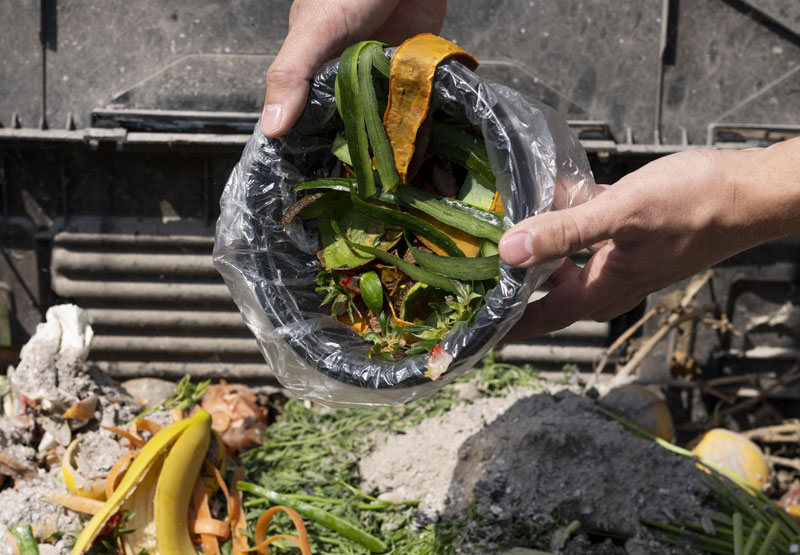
(271, 118)
(516, 249)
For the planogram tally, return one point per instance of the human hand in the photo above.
(320, 31)
(662, 223)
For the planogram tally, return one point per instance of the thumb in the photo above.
(557, 234)
(288, 80)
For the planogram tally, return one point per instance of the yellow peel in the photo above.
(152, 453)
(82, 410)
(410, 85)
(176, 484)
(468, 244)
(497, 204)
(75, 503)
(140, 505)
(736, 453)
(77, 484)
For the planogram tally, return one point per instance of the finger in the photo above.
(550, 313)
(563, 273)
(288, 81)
(577, 293)
(318, 32)
(558, 234)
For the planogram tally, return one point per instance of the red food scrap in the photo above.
(438, 362)
(351, 283)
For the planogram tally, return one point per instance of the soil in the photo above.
(49, 379)
(96, 454)
(505, 452)
(24, 504)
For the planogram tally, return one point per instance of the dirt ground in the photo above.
(528, 457)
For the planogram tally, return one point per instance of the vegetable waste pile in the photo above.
(409, 224)
(498, 460)
(495, 461)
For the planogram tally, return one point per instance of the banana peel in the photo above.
(176, 484)
(156, 489)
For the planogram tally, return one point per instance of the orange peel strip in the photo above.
(117, 471)
(410, 84)
(301, 540)
(239, 526)
(208, 533)
(214, 471)
(77, 503)
(142, 424)
(11, 541)
(239, 522)
(135, 440)
(211, 527)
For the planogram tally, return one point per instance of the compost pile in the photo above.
(498, 460)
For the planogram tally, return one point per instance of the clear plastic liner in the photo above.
(539, 164)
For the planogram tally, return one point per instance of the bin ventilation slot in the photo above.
(158, 306)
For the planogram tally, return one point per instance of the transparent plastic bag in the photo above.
(538, 162)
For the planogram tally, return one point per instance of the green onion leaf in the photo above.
(340, 149)
(332, 183)
(448, 213)
(382, 63)
(465, 269)
(352, 113)
(369, 104)
(462, 148)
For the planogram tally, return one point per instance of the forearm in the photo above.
(766, 189)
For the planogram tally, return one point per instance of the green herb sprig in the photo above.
(184, 396)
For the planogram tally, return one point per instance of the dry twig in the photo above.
(775, 434)
(783, 461)
(786, 379)
(627, 334)
(679, 315)
(675, 320)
